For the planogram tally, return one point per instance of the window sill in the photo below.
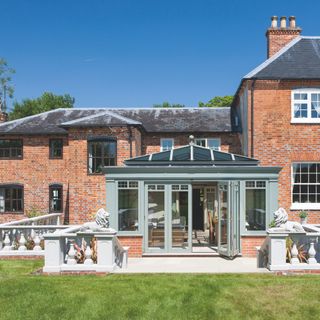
(305, 206)
(305, 121)
(254, 234)
(129, 234)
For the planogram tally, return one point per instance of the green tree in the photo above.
(6, 89)
(168, 105)
(48, 101)
(224, 101)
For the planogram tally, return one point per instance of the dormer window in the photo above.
(305, 105)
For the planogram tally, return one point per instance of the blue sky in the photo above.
(137, 53)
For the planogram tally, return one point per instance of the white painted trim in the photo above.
(301, 206)
(305, 206)
(308, 91)
(206, 142)
(273, 58)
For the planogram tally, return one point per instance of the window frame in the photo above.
(206, 142)
(51, 187)
(255, 187)
(100, 139)
(163, 139)
(309, 92)
(128, 187)
(10, 151)
(301, 205)
(51, 156)
(11, 187)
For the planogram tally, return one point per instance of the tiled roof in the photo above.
(300, 59)
(151, 119)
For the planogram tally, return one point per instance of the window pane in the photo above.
(55, 199)
(179, 226)
(11, 199)
(300, 110)
(128, 209)
(101, 153)
(56, 146)
(10, 148)
(213, 144)
(255, 209)
(166, 144)
(156, 219)
(200, 142)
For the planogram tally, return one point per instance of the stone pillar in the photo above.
(105, 251)
(277, 251)
(53, 253)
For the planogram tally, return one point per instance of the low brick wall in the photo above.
(249, 244)
(135, 244)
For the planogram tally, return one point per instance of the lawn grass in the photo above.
(154, 296)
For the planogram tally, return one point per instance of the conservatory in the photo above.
(191, 199)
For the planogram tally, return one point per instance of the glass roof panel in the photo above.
(201, 154)
(181, 154)
(221, 156)
(161, 156)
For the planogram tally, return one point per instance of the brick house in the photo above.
(178, 180)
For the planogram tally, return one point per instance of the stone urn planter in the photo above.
(303, 217)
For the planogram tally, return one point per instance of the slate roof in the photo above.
(100, 119)
(191, 155)
(299, 59)
(151, 119)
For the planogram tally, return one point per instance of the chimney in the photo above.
(279, 36)
(3, 117)
(3, 114)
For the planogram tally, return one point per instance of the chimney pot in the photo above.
(274, 22)
(283, 22)
(292, 20)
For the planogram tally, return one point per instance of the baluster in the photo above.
(36, 241)
(7, 243)
(294, 254)
(88, 254)
(71, 255)
(312, 254)
(22, 242)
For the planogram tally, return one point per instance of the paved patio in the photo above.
(191, 265)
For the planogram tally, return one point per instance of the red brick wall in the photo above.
(278, 38)
(87, 192)
(249, 244)
(83, 194)
(35, 172)
(276, 141)
(135, 244)
(151, 142)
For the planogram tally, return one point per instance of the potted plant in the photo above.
(303, 217)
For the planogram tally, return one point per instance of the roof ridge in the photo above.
(83, 118)
(123, 118)
(273, 58)
(104, 112)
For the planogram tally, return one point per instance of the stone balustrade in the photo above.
(285, 251)
(25, 237)
(78, 249)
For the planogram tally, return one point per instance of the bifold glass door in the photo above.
(168, 222)
(228, 235)
(156, 217)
